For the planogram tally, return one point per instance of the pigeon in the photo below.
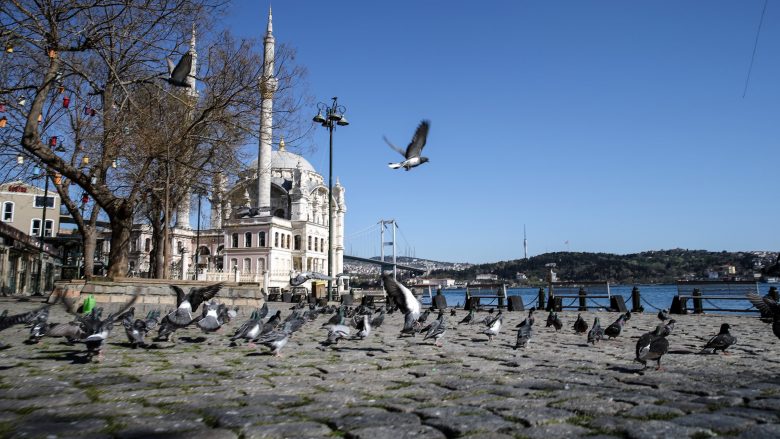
(616, 328)
(137, 329)
(336, 333)
(530, 317)
(40, 325)
(72, 331)
(489, 320)
(379, 319)
(276, 340)
(412, 155)
(580, 325)
(770, 310)
(363, 327)
(210, 321)
(272, 323)
(720, 342)
(453, 313)
(189, 303)
(302, 278)
(99, 330)
(250, 329)
(668, 327)
(554, 321)
(336, 319)
(469, 318)
(436, 329)
(231, 314)
(525, 331)
(596, 333)
(493, 330)
(177, 75)
(663, 315)
(652, 346)
(407, 303)
(421, 320)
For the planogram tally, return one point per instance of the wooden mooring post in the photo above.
(540, 305)
(636, 300)
(697, 303)
(583, 297)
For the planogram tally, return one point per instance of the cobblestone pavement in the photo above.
(390, 387)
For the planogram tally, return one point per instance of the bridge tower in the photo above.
(384, 224)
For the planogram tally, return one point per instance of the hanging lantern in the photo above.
(9, 47)
(92, 112)
(36, 171)
(93, 180)
(19, 159)
(3, 122)
(61, 89)
(53, 141)
(85, 160)
(84, 198)
(40, 118)
(52, 53)
(65, 101)
(114, 163)
(57, 178)
(21, 101)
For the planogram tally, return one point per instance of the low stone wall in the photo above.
(152, 292)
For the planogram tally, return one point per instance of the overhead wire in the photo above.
(755, 46)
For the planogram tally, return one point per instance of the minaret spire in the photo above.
(191, 81)
(268, 85)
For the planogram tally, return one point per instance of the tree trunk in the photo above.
(89, 241)
(121, 226)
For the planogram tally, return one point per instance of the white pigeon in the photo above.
(412, 157)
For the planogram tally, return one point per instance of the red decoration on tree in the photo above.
(53, 141)
(65, 101)
(84, 198)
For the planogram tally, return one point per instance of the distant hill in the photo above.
(647, 267)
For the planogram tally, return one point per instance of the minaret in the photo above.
(268, 84)
(525, 243)
(191, 81)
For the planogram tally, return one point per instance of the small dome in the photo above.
(286, 160)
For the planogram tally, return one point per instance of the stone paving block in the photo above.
(36, 427)
(461, 425)
(765, 431)
(400, 431)
(714, 422)
(648, 411)
(371, 417)
(661, 429)
(555, 430)
(302, 430)
(593, 407)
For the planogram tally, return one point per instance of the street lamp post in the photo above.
(197, 239)
(334, 115)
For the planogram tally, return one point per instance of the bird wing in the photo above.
(400, 151)
(200, 295)
(766, 305)
(263, 311)
(16, 319)
(112, 317)
(182, 69)
(403, 297)
(418, 141)
(179, 294)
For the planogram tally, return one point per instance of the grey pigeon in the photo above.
(663, 315)
(99, 330)
(336, 333)
(412, 153)
(137, 329)
(494, 329)
(178, 74)
(596, 333)
(770, 310)
(407, 303)
(436, 329)
(301, 278)
(720, 342)
(580, 325)
(40, 325)
(554, 321)
(668, 327)
(525, 331)
(250, 329)
(188, 303)
(469, 317)
(363, 327)
(652, 346)
(378, 319)
(616, 328)
(210, 321)
(276, 340)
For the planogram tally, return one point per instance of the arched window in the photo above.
(288, 241)
(234, 240)
(322, 244)
(276, 239)
(134, 245)
(248, 239)
(309, 240)
(8, 212)
(261, 239)
(260, 265)
(297, 242)
(247, 265)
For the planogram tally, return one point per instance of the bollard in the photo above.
(540, 305)
(636, 304)
(772, 294)
(697, 308)
(583, 296)
(556, 304)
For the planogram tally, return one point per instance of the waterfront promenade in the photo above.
(390, 387)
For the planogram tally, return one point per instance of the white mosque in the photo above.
(273, 221)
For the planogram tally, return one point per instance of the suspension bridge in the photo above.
(363, 246)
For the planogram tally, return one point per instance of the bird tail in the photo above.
(394, 165)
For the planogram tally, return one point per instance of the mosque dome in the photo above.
(283, 159)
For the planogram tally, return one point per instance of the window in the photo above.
(316, 245)
(309, 242)
(288, 241)
(234, 240)
(276, 239)
(233, 264)
(8, 211)
(35, 230)
(248, 239)
(260, 265)
(134, 245)
(147, 244)
(247, 265)
(322, 244)
(261, 239)
(39, 201)
(297, 242)
(49, 227)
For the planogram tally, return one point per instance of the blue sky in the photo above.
(616, 126)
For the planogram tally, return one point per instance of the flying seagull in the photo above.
(412, 155)
(178, 74)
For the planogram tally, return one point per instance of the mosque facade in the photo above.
(271, 222)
